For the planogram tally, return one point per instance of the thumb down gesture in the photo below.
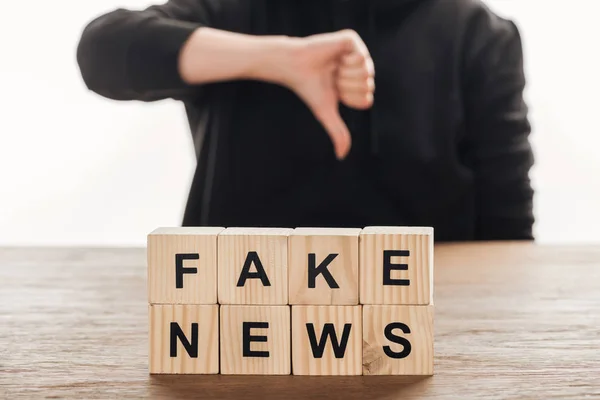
(330, 69)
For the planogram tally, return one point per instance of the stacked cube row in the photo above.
(307, 301)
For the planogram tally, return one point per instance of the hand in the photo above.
(330, 68)
(323, 70)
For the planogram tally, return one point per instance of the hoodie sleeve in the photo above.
(497, 146)
(133, 55)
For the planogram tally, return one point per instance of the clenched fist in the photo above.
(328, 69)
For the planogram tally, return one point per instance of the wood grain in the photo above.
(205, 355)
(410, 352)
(198, 287)
(276, 333)
(337, 248)
(417, 279)
(512, 321)
(267, 247)
(305, 361)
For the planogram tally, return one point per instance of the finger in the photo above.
(360, 72)
(348, 68)
(358, 101)
(337, 130)
(355, 40)
(356, 85)
(354, 59)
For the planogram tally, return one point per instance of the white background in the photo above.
(77, 169)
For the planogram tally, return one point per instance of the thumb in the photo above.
(337, 130)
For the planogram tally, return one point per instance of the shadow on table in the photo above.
(285, 387)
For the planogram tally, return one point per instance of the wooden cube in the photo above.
(396, 265)
(398, 340)
(326, 340)
(184, 339)
(182, 265)
(255, 340)
(324, 266)
(253, 266)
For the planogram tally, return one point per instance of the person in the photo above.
(345, 113)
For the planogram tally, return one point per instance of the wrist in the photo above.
(275, 59)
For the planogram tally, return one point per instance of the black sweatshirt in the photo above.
(445, 144)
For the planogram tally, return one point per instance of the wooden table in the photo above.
(513, 320)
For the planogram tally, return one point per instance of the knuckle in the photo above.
(370, 84)
(350, 33)
(371, 67)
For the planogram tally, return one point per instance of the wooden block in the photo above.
(182, 265)
(398, 340)
(324, 266)
(184, 339)
(396, 265)
(253, 266)
(255, 340)
(326, 340)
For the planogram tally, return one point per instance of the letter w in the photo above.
(339, 349)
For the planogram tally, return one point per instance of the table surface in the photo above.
(512, 320)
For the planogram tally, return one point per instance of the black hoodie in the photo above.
(445, 144)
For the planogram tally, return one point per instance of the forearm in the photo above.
(212, 55)
(133, 55)
(141, 55)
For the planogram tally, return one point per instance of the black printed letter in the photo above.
(388, 267)
(190, 348)
(247, 338)
(314, 271)
(260, 271)
(339, 349)
(397, 339)
(180, 269)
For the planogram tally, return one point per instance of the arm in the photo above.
(497, 145)
(235, 56)
(133, 55)
(167, 51)
(170, 50)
